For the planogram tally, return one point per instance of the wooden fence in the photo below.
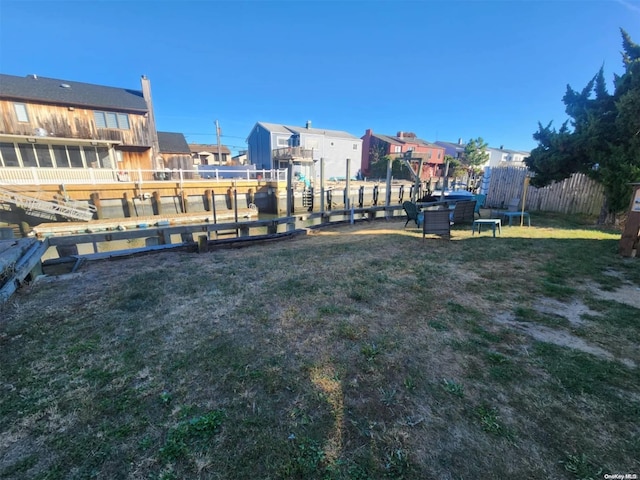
(577, 194)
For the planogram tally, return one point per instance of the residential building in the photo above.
(406, 145)
(498, 157)
(209, 154)
(501, 157)
(176, 153)
(454, 150)
(52, 124)
(274, 145)
(240, 159)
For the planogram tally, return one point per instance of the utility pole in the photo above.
(218, 136)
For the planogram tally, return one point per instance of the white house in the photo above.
(274, 145)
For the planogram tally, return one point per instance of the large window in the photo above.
(111, 120)
(60, 154)
(54, 156)
(21, 112)
(75, 157)
(8, 155)
(44, 156)
(104, 158)
(28, 155)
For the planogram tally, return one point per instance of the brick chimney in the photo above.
(400, 134)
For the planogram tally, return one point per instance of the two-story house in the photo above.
(502, 157)
(207, 154)
(274, 146)
(498, 157)
(405, 145)
(454, 150)
(53, 124)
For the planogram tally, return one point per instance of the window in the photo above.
(397, 149)
(60, 155)
(91, 157)
(104, 157)
(44, 156)
(8, 155)
(21, 112)
(283, 142)
(75, 157)
(111, 120)
(28, 155)
(355, 146)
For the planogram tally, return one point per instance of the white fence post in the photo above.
(34, 174)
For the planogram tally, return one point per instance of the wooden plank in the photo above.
(23, 267)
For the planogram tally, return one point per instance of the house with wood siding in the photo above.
(48, 124)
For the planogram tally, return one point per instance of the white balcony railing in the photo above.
(56, 176)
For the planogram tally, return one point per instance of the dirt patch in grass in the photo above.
(628, 294)
(573, 311)
(556, 336)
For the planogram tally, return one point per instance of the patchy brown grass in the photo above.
(355, 352)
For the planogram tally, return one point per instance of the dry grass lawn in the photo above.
(355, 352)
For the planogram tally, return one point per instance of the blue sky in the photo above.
(442, 69)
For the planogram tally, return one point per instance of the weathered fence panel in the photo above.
(577, 194)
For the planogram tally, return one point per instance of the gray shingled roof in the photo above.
(171, 142)
(387, 138)
(209, 148)
(289, 129)
(274, 127)
(77, 94)
(394, 140)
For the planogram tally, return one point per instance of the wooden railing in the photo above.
(292, 153)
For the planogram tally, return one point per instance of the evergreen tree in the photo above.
(475, 154)
(602, 137)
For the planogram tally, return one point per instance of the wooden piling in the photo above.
(156, 203)
(209, 200)
(203, 244)
(127, 205)
(184, 201)
(95, 199)
(230, 192)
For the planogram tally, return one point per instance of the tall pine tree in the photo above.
(602, 137)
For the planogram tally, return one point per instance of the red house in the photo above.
(399, 145)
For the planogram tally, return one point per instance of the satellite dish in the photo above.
(40, 132)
